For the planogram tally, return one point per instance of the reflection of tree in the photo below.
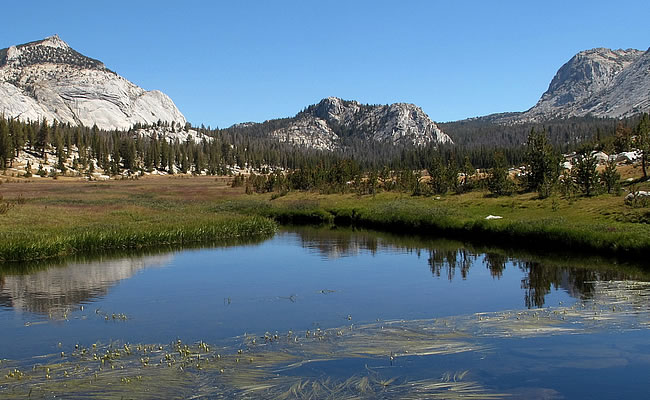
(578, 282)
(537, 283)
(448, 260)
(496, 263)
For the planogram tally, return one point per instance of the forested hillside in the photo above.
(169, 148)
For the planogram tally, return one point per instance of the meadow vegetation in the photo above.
(51, 218)
(545, 206)
(54, 218)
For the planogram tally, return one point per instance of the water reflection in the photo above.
(578, 282)
(54, 291)
(451, 259)
(447, 261)
(326, 313)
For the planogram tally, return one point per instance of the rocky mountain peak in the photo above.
(54, 41)
(330, 122)
(51, 50)
(586, 73)
(49, 79)
(599, 82)
(333, 109)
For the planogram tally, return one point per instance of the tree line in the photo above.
(440, 171)
(360, 166)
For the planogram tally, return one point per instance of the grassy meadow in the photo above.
(52, 218)
(48, 218)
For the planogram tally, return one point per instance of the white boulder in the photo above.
(600, 157)
(634, 196)
(627, 157)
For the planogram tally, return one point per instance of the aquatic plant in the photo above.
(286, 365)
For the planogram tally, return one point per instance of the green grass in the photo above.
(37, 247)
(59, 219)
(601, 224)
(55, 218)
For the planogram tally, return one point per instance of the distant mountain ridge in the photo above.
(598, 82)
(602, 83)
(333, 121)
(48, 79)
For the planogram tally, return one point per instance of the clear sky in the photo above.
(224, 62)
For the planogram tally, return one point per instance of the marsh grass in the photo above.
(38, 247)
(588, 225)
(56, 217)
(60, 218)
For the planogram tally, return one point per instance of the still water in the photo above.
(327, 314)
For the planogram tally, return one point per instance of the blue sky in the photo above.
(224, 62)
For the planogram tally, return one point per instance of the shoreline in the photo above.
(56, 218)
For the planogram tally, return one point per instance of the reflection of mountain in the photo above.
(336, 244)
(55, 290)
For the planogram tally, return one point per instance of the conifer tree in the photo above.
(643, 141)
(6, 151)
(499, 182)
(437, 176)
(60, 153)
(115, 155)
(610, 177)
(17, 134)
(128, 153)
(43, 137)
(586, 175)
(542, 163)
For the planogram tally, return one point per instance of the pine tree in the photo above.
(623, 138)
(643, 141)
(128, 153)
(451, 175)
(43, 139)
(438, 182)
(611, 178)
(17, 134)
(60, 153)
(499, 182)
(115, 155)
(542, 163)
(586, 175)
(6, 150)
(467, 170)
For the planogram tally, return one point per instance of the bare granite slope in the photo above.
(48, 79)
(598, 82)
(326, 124)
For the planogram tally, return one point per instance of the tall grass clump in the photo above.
(93, 240)
(300, 213)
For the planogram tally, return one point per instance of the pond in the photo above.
(326, 313)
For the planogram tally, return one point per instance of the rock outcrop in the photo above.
(48, 79)
(598, 82)
(328, 124)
